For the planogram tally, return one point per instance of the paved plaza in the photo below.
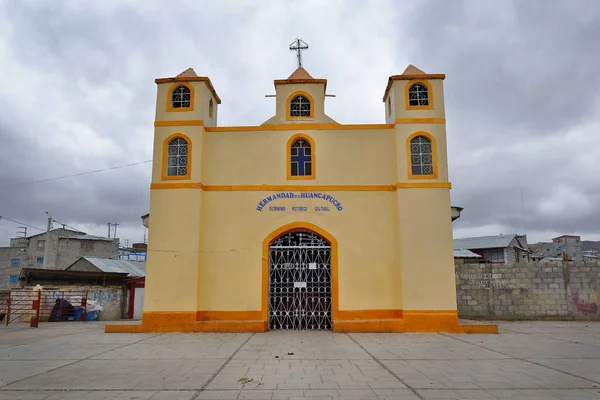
(527, 360)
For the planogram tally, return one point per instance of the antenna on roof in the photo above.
(523, 209)
(22, 230)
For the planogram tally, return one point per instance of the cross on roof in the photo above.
(298, 45)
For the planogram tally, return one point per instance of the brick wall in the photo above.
(557, 290)
(62, 252)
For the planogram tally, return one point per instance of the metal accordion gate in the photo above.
(300, 282)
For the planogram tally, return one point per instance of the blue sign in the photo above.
(303, 195)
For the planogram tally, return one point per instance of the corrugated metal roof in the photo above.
(483, 242)
(133, 268)
(85, 237)
(465, 254)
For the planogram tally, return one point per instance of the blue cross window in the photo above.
(421, 156)
(301, 158)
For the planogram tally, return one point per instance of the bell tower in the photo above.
(300, 98)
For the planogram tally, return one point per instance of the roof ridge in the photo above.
(188, 73)
(412, 70)
(300, 73)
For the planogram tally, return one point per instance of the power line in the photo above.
(22, 223)
(70, 176)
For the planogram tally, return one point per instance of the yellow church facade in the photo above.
(300, 223)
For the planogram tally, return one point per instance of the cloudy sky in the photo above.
(77, 94)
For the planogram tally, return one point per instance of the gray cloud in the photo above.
(77, 94)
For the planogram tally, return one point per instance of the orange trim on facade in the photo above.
(296, 81)
(420, 120)
(369, 314)
(174, 86)
(429, 95)
(424, 185)
(343, 321)
(291, 227)
(185, 321)
(288, 106)
(188, 122)
(192, 79)
(174, 185)
(313, 158)
(298, 127)
(393, 78)
(433, 154)
(302, 188)
(415, 321)
(228, 315)
(187, 176)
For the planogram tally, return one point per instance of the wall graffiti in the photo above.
(105, 296)
(582, 306)
(485, 281)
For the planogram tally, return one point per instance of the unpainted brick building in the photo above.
(65, 246)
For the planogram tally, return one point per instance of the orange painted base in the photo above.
(192, 321)
(413, 321)
(350, 321)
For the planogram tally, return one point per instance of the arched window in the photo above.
(181, 97)
(210, 109)
(301, 162)
(421, 156)
(418, 95)
(300, 106)
(177, 157)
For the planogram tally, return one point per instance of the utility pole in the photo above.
(109, 230)
(115, 225)
(47, 242)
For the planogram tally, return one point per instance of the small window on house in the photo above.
(495, 255)
(389, 106)
(40, 260)
(421, 156)
(418, 95)
(300, 106)
(181, 97)
(301, 158)
(177, 157)
(15, 261)
(13, 279)
(86, 244)
(40, 244)
(210, 109)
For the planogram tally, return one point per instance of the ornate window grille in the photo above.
(177, 157)
(181, 97)
(301, 159)
(418, 95)
(300, 106)
(421, 156)
(300, 282)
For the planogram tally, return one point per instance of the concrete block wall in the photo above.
(521, 291)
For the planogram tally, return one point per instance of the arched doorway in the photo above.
(300, 282)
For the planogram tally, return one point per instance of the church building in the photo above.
(302, 222)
